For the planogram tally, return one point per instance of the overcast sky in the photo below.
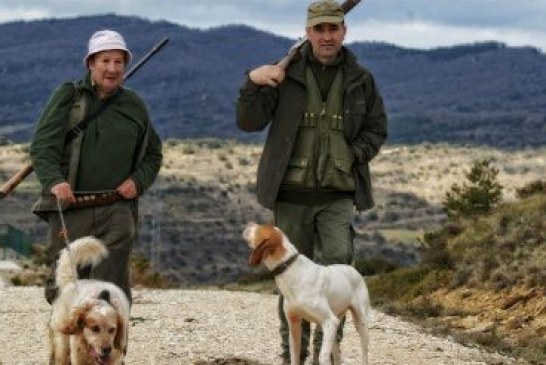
(408, 23)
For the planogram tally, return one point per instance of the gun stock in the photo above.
(16, 179)
(347, 6)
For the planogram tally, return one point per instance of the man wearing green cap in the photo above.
(326, 122)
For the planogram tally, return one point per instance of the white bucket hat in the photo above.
(105, 40)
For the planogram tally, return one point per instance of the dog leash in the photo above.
(64, 234)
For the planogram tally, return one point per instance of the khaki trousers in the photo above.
(114, 224)
(322, 231)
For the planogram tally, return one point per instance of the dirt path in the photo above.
(218, 327)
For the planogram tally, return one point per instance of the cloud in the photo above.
(475, 13)
(418, 34)
(409, 23)
(7, 15)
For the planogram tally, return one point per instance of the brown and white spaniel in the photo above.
(90, 318)
(316, 293)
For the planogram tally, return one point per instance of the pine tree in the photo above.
(477, 196)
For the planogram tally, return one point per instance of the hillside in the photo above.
(482, 279)
(193, 216)
(474, 94)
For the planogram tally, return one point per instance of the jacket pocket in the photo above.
(339, 175)
(296, 171)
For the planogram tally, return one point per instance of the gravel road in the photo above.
(220, 327)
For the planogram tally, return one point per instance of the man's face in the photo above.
(326, 39)
(107, 69)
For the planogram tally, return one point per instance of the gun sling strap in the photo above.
(78, 129)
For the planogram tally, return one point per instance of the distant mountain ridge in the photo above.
(484, 93)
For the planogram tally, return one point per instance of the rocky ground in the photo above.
(206, 327)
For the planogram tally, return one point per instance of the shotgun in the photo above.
(347, 6)
(26, 170)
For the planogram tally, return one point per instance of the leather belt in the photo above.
(84, 200)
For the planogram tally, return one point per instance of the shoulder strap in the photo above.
(78, 113)
(75, 131)
(80, 106)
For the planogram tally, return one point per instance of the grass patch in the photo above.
(405, 284)
(402, 235)
(142, 274)
(374, 266)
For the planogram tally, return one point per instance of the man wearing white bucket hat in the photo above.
(107, 44)
(97, 178)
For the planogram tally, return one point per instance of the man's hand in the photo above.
(63, 192)
(127, 189)
(271, 75)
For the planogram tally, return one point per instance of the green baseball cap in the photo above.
(324, 11)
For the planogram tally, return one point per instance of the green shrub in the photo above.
(534, 187)
(188, 150)
(16, 280)
(374, 266)
(435, 252)
(479, 195)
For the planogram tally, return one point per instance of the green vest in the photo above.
(71, 156)
(321, 158)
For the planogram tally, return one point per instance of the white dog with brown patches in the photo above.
(319, 294)
(90, 318)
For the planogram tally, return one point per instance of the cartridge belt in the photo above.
(95, 199)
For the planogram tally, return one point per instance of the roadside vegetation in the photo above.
(482, 275)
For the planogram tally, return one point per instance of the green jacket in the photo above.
(109, 147)
(365, 124)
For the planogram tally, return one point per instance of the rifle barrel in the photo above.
(348, 5)
(146, 57)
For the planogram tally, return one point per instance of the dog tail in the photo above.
(83, 251)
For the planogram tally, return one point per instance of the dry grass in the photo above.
(425, 170)
(482, 279)
(428, 170)
(192, 216)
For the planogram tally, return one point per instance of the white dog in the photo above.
(90, 318)
(319, 294)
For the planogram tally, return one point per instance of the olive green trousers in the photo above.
(113, 224)
(322, 231)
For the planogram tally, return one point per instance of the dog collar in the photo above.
(283, 266)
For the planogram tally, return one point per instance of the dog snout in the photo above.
(106, 350)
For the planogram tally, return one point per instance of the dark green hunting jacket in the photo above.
(110, 147)
(282, 108)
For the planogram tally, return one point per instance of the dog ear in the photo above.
(76, 320)
(120, 341)
(104, 295)
(265, 248)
